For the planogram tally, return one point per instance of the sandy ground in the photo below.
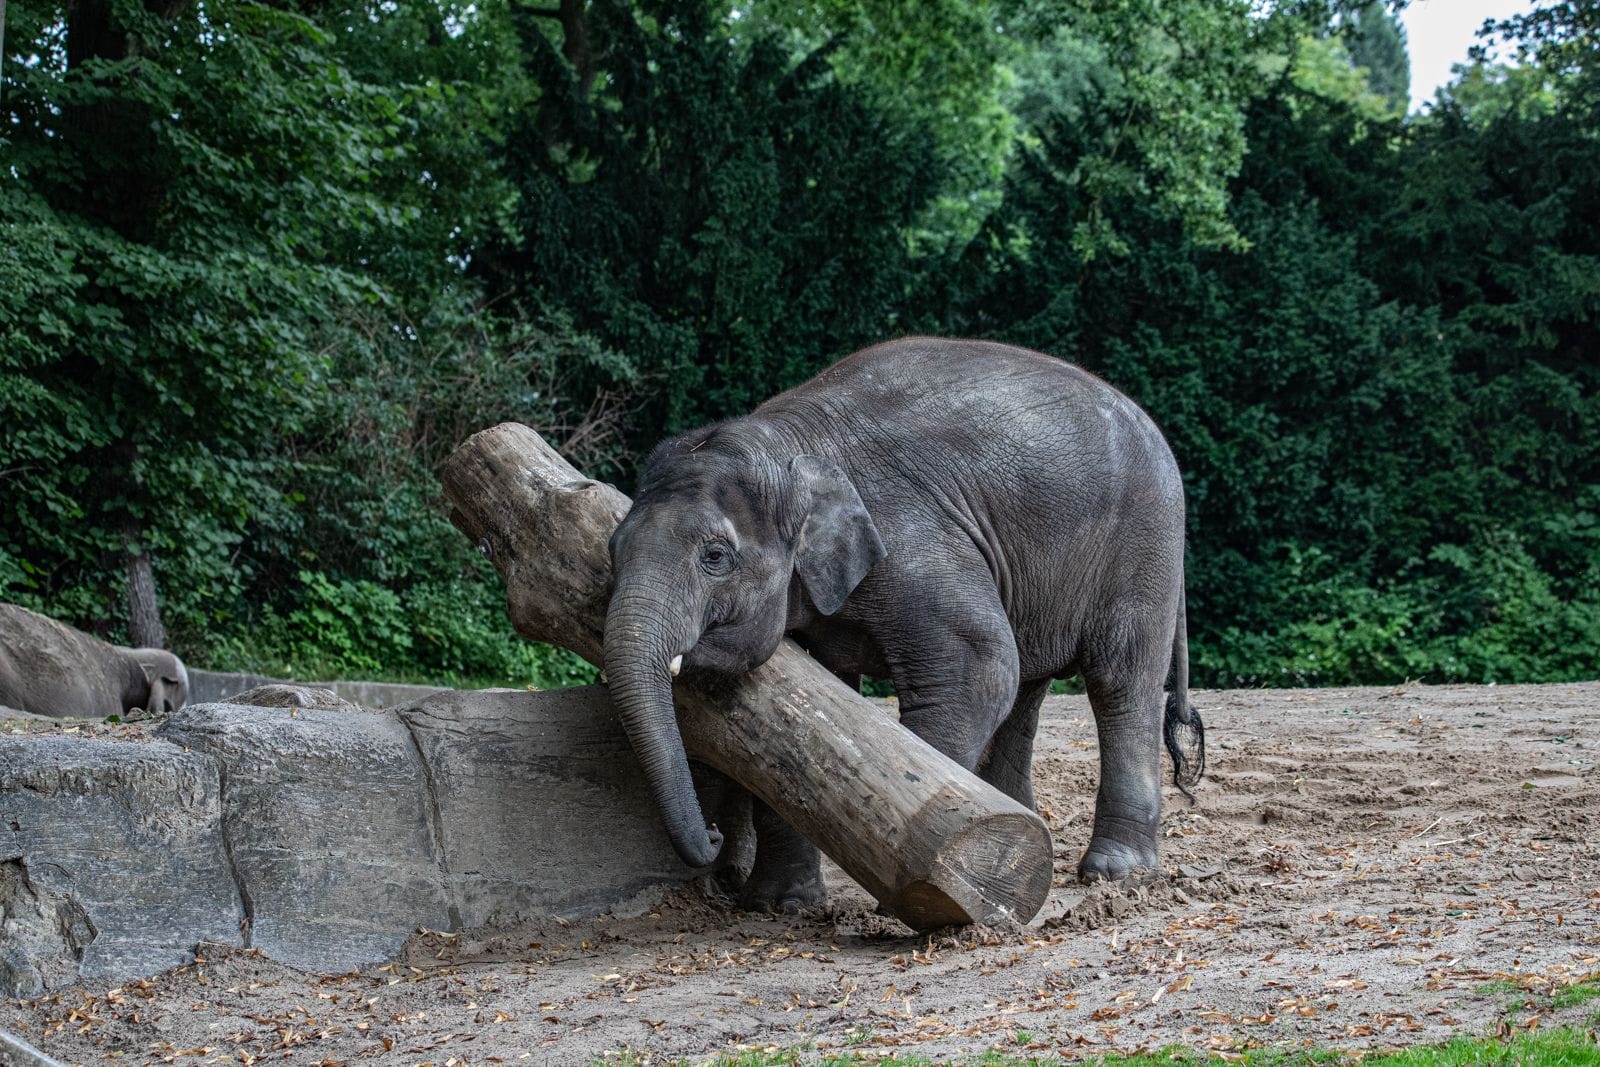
(1365, 868)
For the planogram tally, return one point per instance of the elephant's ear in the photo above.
(838, 542)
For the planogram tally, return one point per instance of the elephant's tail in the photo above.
(1182, 727)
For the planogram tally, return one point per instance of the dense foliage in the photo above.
(263, 266)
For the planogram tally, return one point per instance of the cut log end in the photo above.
(993, 869)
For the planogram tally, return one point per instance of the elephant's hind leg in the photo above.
(1008, 764)
(1128, 698)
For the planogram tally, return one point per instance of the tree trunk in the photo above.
(144, 609)
(573, 16)
(114, 132)
(118, 155)
(933, 843)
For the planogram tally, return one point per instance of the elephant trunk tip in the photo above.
(708, 853)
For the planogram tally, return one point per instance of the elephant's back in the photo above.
(1015, 421)
(931, 366)
(28, 634)
(49, 668)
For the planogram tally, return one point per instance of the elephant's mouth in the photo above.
(719, 652)
(734, 646)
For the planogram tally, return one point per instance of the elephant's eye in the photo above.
(716, 557)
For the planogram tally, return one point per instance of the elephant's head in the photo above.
(704, 564)
(166, 677)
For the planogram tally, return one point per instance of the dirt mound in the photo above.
(1363, 868)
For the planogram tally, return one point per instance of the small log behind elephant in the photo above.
(933, 843)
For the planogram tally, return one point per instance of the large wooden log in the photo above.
(934, 844)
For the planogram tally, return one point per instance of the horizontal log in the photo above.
(933, 843)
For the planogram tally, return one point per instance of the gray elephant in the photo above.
(51, 669)
(968, 519)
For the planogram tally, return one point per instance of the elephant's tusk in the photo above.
(676, 665)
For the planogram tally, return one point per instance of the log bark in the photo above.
(934, 844)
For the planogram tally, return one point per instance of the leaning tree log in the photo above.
(933, 843)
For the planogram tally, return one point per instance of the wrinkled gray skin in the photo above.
(51, 669)
(968, 519)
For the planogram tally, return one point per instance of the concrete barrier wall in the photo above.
(15, 1052)
(209, 687)
(323, 836)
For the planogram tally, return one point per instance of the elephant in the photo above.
(48, 668)
(968, 519)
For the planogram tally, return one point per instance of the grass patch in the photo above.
(1497, 987)
(1538, 996)
(1549, 1048)
(1574, 995)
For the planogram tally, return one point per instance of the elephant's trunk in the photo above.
(640, 651)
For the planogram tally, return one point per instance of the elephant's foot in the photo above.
(786, 896)
(787, 874)
(1112, 861)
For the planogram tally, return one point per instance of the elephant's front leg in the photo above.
(787, 873)
(956, 673)
(1126, 697)
(1008, 763)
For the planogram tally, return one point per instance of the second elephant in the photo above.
(49, 668)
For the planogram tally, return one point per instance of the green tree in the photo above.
(156, 342)
(728, 219)
(1382, 406)
(1323, 68)
(1173, 80)
(1377, 45)
(1559, 38)
(969, 71)
(941, 66)
(198, 205)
